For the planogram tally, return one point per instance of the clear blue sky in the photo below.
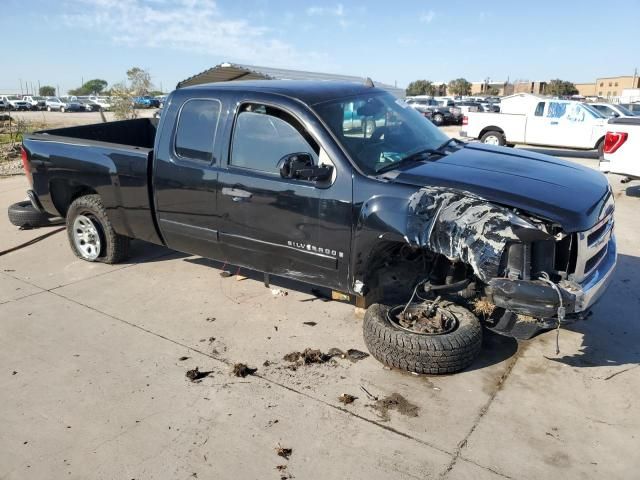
(63, 41)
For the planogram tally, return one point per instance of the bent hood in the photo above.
(566, 193)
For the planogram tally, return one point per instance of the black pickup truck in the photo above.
(435, 236)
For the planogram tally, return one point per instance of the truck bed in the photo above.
(113, 158)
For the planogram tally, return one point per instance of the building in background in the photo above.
(525, 86)
(586, 89)
(608, 87)
(227, 72)
(489, 87)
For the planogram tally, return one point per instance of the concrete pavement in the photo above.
(93, 380)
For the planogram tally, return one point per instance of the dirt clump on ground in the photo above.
(347, 398)
(284, 452)
(196, 375)
(396, 402)
(308, 356)
(242, 370)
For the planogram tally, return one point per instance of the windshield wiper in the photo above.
(455, 140)
(416, 156)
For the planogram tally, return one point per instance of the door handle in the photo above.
(237, 194)
(554, 123)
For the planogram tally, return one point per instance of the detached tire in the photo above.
(434, 354)
(24, 215)
(91, 236)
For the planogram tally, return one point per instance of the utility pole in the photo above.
(635, 75)
(20, 86)
(38, 87)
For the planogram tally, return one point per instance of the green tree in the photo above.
(139, 80)
(560, 88)
(91, 87)
(47, 91)
(459, 86)
(493, 91)
(421, 87)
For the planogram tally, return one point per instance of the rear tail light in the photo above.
(614, 140)
(465, 120)
(26, 165)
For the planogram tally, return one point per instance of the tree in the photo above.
(140, 80)
(560, 88)
(493, 91)
(91, 87)
(123, 94)
(421, 87)
(47, 91)
(460, 86)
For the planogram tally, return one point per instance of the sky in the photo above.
(63, 42)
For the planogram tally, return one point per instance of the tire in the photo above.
(106, 246)
(600, 148)
(438, 119)
(24, 215)
(61, 109)
(493, 137)
(433, 354)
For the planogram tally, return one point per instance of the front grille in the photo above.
(592, 246)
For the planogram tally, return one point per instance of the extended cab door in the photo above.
(186, 174)
(294, 227)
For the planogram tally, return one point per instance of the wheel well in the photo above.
(64, 192)
(490, 129)
(599, 142)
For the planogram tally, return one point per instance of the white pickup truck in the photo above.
(549, 122)
(622, 149)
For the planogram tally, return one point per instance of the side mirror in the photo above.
(300, 166)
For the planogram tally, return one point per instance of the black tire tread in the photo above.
(500, 135)
(116, 247)
(24, 215)
(432, 354)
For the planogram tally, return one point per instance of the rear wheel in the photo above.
(600, 148)
(91, 234)
(438, 119)
(493, 137)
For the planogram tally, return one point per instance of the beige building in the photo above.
(612, 86)
(488, 88)
(536, 88)
(586, 89)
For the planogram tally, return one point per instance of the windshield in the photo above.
(378, 130)
(595, 113)
(625, 111)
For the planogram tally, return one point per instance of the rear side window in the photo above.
(264, 134)
(196, 130)
(539, 109)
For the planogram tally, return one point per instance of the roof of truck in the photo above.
(308, 91)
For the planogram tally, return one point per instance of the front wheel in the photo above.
(48, 109)
(493, 137)
(91, 234)
(447, 342)
(600, 148)
(61, 109)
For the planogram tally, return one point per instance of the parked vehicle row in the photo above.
(446, 111)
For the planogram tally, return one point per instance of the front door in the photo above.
(186, 177)
(296, 228)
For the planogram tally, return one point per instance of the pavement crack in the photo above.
(485, 408)
(620, 372)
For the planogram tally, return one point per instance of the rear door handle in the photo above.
(554, 123)
(237, 194)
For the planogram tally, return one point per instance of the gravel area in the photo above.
(11, 167)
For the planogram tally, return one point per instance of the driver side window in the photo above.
(264, 134)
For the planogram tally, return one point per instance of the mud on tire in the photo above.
(433, 354)
(113, 247)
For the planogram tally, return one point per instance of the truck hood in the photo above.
(566, 193)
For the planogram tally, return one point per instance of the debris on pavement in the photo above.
(182, 359)
(284, 452)
(278, 292)
(225, 273)
(356, 355)
(396, 402)
(347, 398)
(371, 396)
(242, 370)
(310, 355)
(196, 375)
(211, 319)
(311, 324)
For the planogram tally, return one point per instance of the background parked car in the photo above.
(439, 112)
(467, 106)
(102, 102)
(74, 106)
(55, 104)
(146, 101)
(15, 102)
(4, 105)
(632, 107)
(611, 110)
(36, 103)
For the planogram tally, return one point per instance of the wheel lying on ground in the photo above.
(451, 348)
(24, 215)
(90, 233)
(493, 137)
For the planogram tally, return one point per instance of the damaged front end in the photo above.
(528, 275)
